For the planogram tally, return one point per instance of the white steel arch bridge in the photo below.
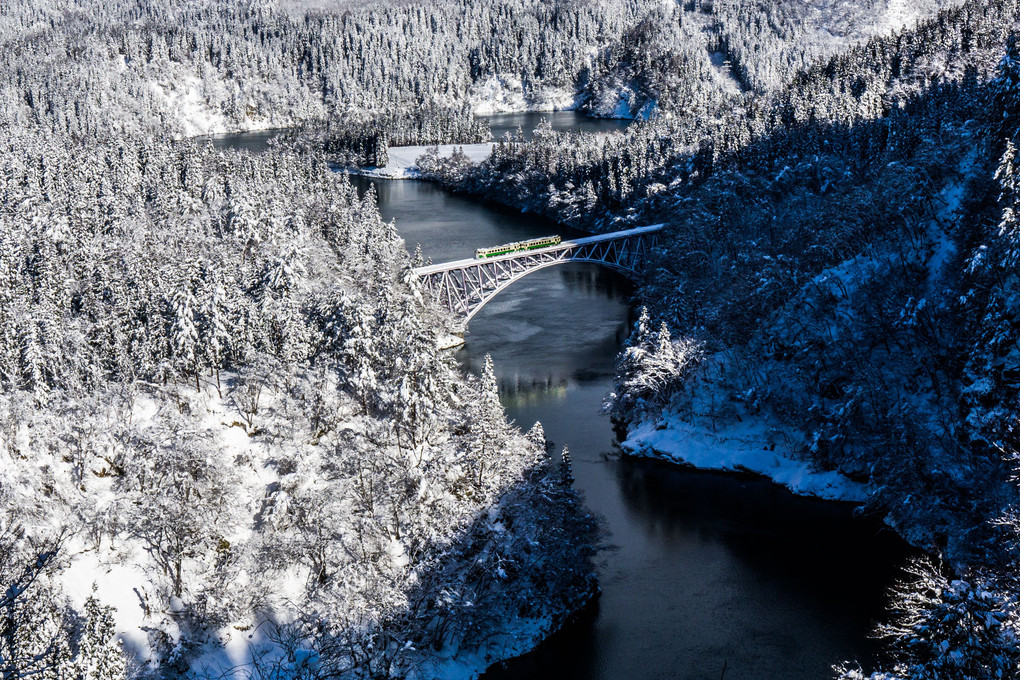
(463, 287)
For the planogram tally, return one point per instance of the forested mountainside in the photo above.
(600, 181)
(222, 399)
(837, 284)
(200, 67)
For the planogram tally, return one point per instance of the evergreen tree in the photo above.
(1008, 177)
(566, 467)
(947, 630)
(1006, 88)
(185, 335)
(99, 656)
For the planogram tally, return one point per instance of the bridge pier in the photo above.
(451, 340)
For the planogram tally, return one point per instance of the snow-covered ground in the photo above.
(950, 200)
(196, 102)
(402, 159)
(512, 643)
(120, 573)
(749, 445)
(185, 102)
(906, 13)
(449, 341)
(722, 73)
(505, 93)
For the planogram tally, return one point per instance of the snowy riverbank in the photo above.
(403, 159)
(748, 446)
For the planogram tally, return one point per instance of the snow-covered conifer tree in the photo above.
(947, 629)
(185, 335)
(99, 655)
(1007, 89)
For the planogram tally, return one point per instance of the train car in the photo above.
(530, 244)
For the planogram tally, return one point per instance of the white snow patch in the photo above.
(722, 74)
(397, 554)
(905, 14)
(505, 93)
(185, 101)
(196, 104)
(402, 159)
(233, 651)
(901, 13)
(120, 573)
(749, 445)
(449, 341)
(119, 583)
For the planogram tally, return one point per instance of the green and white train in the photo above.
(530, 244)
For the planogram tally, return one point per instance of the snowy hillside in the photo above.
(224, 408)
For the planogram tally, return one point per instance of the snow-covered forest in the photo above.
(227, 432)
(224, 402)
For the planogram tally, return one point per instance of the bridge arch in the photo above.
(511, 281)
(464, 287)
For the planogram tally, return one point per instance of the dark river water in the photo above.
(705, 575)
(249, 141)
(503, 123)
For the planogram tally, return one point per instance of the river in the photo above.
(561, 121)
(705, 575)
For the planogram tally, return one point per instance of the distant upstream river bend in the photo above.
(703, 570)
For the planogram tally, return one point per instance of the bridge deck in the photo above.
(563, 245)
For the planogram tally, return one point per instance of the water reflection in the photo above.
(561, 121)
(711, 569)
(256, 142)
(705, 569)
